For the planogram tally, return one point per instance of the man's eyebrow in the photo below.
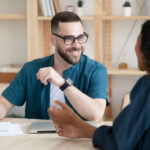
(73, 35)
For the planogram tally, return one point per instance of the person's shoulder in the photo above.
(143, 84)
(91, 63)
(144, 80)
(39, 62)
(36, 64)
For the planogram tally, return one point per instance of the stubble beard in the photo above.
(67, 57)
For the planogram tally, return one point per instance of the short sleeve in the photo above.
(15, 93)
(99, 83)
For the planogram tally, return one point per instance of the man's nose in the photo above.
(75, 43)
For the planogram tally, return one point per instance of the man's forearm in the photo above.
(2, 111)
(5, 106)
(87, 107)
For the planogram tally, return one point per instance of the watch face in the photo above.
(69, 81)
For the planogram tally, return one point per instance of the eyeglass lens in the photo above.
(71, 39)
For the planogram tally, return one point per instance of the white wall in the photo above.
(13, 41)
(13, 34)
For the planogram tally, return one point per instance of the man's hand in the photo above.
(49, 74)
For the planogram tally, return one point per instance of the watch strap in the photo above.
(68, 82)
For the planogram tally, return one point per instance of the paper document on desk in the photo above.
(9, 129)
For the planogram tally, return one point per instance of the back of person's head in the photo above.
(63, 17)
(145, 44)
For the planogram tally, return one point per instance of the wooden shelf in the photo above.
(10, 68)
(125, 72)
(104, 18)
(7, 77)
(8, 72)
(49, 18)
(13, 16)
(87, 17)
(44, 18)
(125, 18)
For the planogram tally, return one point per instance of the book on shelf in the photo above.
(47, 7)
(43, 7)
(52, 7)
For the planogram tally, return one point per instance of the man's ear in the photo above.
(53, 40)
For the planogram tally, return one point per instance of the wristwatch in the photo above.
(68, 82)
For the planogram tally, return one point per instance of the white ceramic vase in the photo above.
(79, 11)
(127, 11)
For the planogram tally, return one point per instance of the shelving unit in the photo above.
(103, 50)
(38, 29)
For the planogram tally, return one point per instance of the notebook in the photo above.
(42, 127)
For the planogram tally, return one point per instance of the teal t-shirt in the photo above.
(88, 76)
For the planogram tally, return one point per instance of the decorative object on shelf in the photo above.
(123, 61)
(127, 8)
(123, 65)
(79, 9)
(70, 8)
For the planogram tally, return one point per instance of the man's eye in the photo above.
(69, 38)
(81, 36)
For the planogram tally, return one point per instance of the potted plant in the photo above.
(127, 8)
(80, 3)
(80, 7)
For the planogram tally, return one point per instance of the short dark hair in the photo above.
(145, 44)
(64, 16)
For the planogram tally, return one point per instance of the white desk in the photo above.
(50, 141)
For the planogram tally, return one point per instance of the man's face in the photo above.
(70, 53)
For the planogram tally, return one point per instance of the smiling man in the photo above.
(67, 75)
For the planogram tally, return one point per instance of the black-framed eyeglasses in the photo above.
(68, 39)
